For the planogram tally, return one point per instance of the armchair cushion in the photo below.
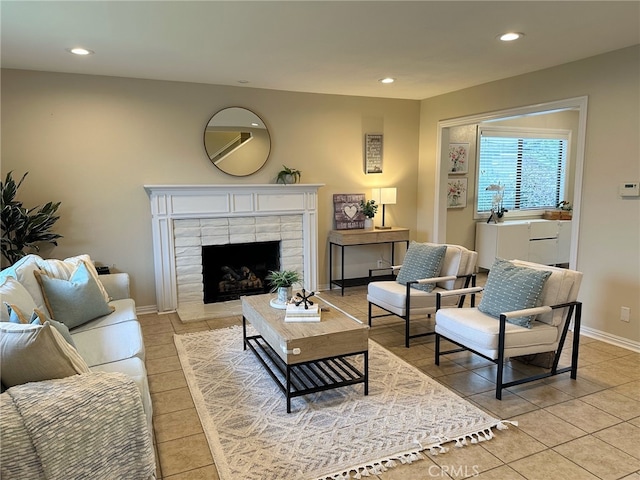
(510, 287)
(422, 260)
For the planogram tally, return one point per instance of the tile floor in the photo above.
(583, 429)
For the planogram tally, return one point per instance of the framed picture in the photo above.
(347, 211)
(458, 157)
(373, 153)
(457, 193)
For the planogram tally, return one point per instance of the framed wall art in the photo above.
(347, 211)
(457, 193)
(372, 153)
(458, 157)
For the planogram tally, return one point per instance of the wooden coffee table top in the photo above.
(335, 334)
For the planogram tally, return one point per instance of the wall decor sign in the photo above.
(373, 153)
(458, 157)
(347, 211)
(457, 193)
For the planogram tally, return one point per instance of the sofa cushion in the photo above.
(14, 293)
(74, 301)
(31, 353)
(64, 269)
(23, 271)
(422, 260)
(111, 343)
(123, 311)
(509, 288)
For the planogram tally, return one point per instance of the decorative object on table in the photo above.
(373, 153)
(497, 206)
(457, 192)
(347, 211)
(384, 196)
(282, 282)
(370, 430)
(23, 229)
(458, 157)
(563, 211)
(288, 175)
(301, 309)
(369, 208)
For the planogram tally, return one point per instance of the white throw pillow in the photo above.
(22, 271)
(32, 353)
(12, 292)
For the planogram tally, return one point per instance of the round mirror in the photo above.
(237, 141)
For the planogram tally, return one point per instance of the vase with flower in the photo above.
(497, 205)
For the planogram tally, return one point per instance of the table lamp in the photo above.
(384, 196)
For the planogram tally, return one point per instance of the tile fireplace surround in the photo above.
(186, 217)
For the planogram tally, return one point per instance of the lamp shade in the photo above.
(384, 196)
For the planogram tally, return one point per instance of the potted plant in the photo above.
(282, 281)
(24, 228)
(288, 175)
(369, 209)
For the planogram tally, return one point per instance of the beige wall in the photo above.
(609, 240)
(92, 142)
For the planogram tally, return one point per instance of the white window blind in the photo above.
(529, 163)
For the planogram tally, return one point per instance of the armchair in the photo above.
(414, 291)
(526, 309)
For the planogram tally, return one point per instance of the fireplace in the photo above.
(230, 271)
(185, 218)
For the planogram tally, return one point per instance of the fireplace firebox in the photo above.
(233, 270)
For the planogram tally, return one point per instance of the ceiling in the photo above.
(335, 47)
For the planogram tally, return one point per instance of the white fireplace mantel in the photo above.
(171, 202)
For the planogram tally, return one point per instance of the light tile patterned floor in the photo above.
(583, 429)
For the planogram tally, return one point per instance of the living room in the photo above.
(93, 141)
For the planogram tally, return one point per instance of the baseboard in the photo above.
(146, 309)
(609, 338)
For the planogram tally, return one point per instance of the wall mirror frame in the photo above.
(578, 103)
(237, 141)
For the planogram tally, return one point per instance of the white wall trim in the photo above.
(170, 202)
(609, 338)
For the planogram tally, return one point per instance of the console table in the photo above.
(349, 238)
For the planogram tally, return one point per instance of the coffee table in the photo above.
(306, 357)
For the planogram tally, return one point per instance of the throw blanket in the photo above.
(86, 426)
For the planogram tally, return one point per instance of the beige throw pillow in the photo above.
(32, 353)
(64, 269)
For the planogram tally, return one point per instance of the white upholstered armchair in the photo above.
(526, 308)
(427, 269)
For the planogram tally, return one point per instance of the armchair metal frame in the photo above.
(469, 279)
(574, 312)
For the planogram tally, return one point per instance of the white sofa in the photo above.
(111, 343)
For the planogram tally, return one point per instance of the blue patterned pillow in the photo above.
(510, 288)
(422, 261)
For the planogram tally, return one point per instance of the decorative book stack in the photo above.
(298, 313)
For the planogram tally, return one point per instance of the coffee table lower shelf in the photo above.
(314, 376)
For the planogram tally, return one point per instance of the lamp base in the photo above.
(383, 228)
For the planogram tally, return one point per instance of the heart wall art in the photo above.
(347, 210)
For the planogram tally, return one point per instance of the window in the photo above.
(530, 164)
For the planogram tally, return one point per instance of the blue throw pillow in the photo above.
(422, 261)
(510, 287)
(75, 301)
(38, 318)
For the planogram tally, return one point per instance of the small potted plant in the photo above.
(369, 209)
(288, 175)
(282, 281)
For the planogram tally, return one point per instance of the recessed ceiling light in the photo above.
(510, 36)
(243, 81)
(80, 51)
(387, 80)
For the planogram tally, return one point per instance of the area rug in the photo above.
(334, 434)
